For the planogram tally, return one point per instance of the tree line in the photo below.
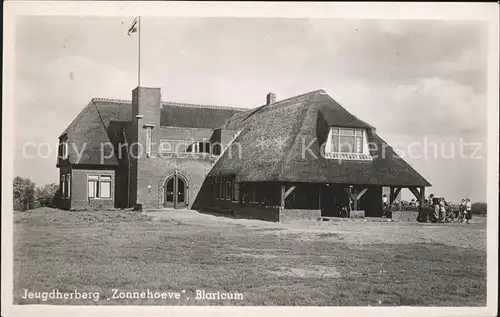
(28, 196)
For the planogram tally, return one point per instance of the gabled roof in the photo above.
(274, 140)
(90, 128)
(86, 134)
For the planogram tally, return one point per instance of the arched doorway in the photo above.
(175, 192)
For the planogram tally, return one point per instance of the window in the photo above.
(229, 190)
(198, 147)
(347, 140)
(216, 149)
(63, 185)
(223, 194)
(214, 187)
(99, 186)
(184, 146)
(236, 192)
(148, 141)
(68, 185)
(172, 146)
(105, 186)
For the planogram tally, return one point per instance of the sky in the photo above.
(421, 83)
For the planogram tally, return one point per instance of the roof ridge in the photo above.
(170, 103)
(193, 105)
(265, 107)
(298, 96)
(110, 100)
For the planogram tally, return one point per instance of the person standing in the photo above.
(468, 209)
(442, 210)
(435, 207)
(462, 211)
(385, 206)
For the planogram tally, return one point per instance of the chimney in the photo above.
(270, 98)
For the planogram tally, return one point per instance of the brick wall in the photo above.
(245, 211)
(286, 215)
(148, 174)
(155, 171)
(79, 196)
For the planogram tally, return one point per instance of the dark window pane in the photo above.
(170, 190)
(181, 192)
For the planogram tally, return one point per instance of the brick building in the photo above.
(302, 157)
(118, 154)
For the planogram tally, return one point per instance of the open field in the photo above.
(308, 263)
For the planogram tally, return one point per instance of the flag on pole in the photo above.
(133, 27)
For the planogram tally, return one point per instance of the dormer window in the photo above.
(347, 143)
(347, 140)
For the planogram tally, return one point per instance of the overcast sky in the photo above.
(413, 80)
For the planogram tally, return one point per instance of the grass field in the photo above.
(315, 263)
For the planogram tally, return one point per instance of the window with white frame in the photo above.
(68, 185)
(62, 185)
(184, 146)
(148, 141)
(198, 147)
(347, 140)
(99, 186)
(347, 143)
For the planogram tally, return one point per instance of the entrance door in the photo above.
(175, 191)
(169, 193)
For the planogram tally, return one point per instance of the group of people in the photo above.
(437, 209)
(442, 211)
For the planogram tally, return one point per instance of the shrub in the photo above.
(24, 193)
(46, 196)
(479, 208)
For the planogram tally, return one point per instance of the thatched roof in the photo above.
(273, 137)
(93, 126)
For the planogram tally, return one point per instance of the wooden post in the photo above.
(353, 197)
(356, 196)
(289, 191)
(415, 192)
(422, 197)
(394, 192)
(391, 196)
(283, 192)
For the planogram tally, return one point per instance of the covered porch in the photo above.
(300, 200)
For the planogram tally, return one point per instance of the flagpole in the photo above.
(139, 27)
